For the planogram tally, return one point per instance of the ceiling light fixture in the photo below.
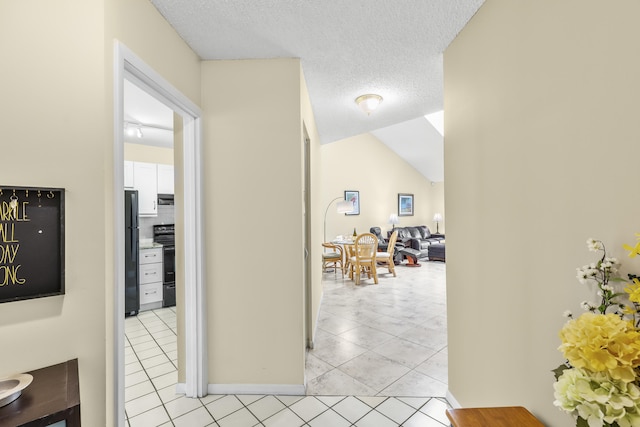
(135, 128)
(368, 102)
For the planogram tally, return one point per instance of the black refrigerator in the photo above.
(132, 254)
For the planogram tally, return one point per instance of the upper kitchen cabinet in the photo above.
(149, 179)
(128, 174)
(165, 179)
(145, 179)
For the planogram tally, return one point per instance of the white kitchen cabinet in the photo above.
(128, 174)
(151, 271)
(165, 179)
(145, 180)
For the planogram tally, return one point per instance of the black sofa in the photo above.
(383, 245)
(418, 238)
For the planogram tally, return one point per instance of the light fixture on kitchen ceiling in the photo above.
(135, 128)
(368, 102)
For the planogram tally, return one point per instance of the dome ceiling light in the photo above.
(369, 102)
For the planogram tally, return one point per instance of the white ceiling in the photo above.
(347, 48)
(155, 117)
(418, 143)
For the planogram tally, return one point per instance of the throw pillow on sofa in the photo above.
(425, 233)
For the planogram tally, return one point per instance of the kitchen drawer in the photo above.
(151, 292)
(148, 256)
(150, 273)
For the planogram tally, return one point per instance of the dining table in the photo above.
(347, 244)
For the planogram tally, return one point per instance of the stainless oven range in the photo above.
(165, 235)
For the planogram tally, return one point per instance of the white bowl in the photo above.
(11, 387)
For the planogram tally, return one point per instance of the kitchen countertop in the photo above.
(144, 244)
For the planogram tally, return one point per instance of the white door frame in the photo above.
(130, 67)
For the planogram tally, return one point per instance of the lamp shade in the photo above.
(393, 219)
(343, 206)
(437, 217)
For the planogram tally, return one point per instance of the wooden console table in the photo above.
(492, 417)
(53, 396)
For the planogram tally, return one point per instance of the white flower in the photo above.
(588, 306)
(597, 398)
(586, 272)
(609, 264)
(594, 245)
(607, 288)
(567, 314)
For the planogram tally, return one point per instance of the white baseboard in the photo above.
(452, 400)
(278, 389)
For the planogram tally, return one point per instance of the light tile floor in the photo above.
(379, 360)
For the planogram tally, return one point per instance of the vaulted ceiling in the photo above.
(347, 48)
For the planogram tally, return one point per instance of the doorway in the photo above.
(132, 69)
(306, 221)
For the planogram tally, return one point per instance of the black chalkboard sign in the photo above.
(31, 242)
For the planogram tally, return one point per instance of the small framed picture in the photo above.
(405, 204)
(354, 198)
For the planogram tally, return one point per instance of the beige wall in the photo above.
(363, 163)
(148, 154)
(540, 152)
(57, 110)
(139, 25)
(252, 153)
(53, 133)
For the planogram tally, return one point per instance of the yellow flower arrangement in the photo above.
(600, 382)
(600, 343)
(633, 290)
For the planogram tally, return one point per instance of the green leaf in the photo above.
(559, 370)
(581, 423)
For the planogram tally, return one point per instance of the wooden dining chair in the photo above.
(348, 254)
(364, 256)
(333, 257)
(386, 257)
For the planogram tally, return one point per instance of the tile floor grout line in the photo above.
(329, 406)
(155, 389)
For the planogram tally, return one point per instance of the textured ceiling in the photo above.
(347, 48)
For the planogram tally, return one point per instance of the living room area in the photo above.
(379, 189)
(390, 338)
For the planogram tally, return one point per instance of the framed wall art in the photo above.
(354, 198)
(31, 242)
(405, 204)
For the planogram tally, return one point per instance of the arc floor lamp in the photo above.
(343, 206)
